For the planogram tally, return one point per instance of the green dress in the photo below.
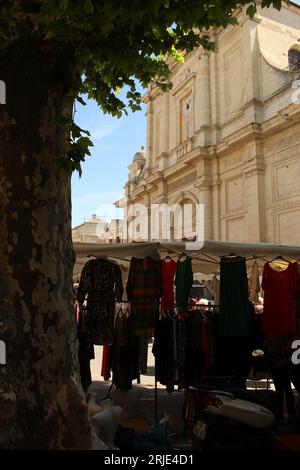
(235, 317)
(183, 283)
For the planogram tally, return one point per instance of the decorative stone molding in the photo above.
(182, 181)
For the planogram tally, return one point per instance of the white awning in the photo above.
(205, 258)
(117, 250)
(218, 248)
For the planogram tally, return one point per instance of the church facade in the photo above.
(227, 135)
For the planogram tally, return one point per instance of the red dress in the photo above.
(279, 316)
(168, 271)
(105, 369)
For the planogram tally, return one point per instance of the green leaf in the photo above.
(251, 10)
(277, 4)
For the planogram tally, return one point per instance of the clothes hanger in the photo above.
(230, 256)
(281, 258)
(168, 257)
(254, 264)
(182, 254)
(278, 266)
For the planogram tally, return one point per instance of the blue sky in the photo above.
(105, 172)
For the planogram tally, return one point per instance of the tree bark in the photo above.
(42, 405)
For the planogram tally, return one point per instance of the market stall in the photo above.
(206, 259)
(152, 299)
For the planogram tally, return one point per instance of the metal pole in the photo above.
(155, 394)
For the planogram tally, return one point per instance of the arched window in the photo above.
(188, 218)
(294, 59)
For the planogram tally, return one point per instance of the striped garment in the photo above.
(143, 291)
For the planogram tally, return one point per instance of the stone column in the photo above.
(147, 203)
(205, 198)
(149, 152)
(203, 104)
(255, 197)
(164, 130)
(204, 186)
(216, 208)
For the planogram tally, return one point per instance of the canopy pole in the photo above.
(155, 393)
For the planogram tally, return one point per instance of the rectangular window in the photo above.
(186, 116)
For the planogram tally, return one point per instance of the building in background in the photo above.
(227, 135)
(96, 230)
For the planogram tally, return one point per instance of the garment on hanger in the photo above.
(195, 357)
(143, 354)
(254, 284)
(181, 342)
(101, 282)
(143, 291)
(280, 287)
(164, 352)
(181, 350)
(124, 353)
(168, 271)
(105, 369)
(183, 283)
(86, 348)
(234, 308)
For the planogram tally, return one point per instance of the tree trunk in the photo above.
(42, 405)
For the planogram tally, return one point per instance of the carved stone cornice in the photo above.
(203, 183)
(176, 90)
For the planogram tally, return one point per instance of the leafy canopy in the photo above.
(114, 41)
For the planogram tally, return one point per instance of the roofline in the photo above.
(239, 9)
(78, 226)
(292, 3)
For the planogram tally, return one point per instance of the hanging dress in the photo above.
(168, 271)
(254, 284)
(183, 283)
(280, 287)
(124, 353)
(101, 281)
(85, 348)
(143, 291)
(235, 317)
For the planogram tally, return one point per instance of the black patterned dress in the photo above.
(101, 282)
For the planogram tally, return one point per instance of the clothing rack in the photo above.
(159, 303)
(206, 308)
(209, 309)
